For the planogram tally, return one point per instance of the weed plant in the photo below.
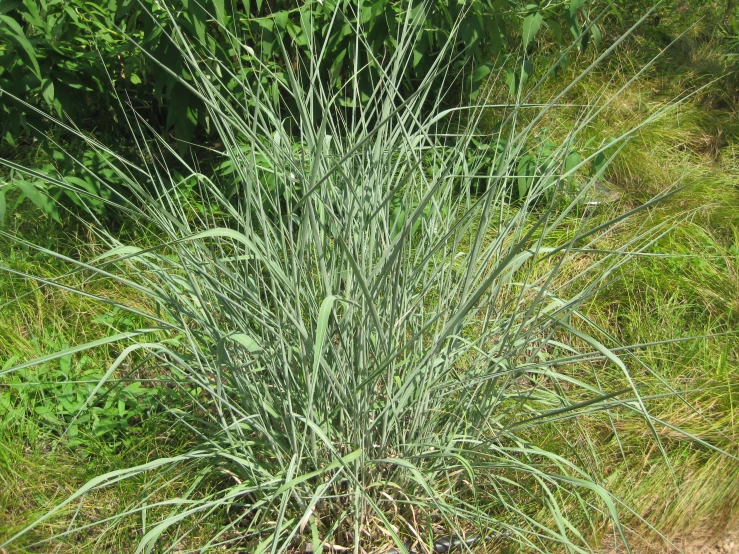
(370, 339)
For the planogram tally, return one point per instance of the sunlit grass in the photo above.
(358, 385)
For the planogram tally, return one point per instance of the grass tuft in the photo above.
(381, 320)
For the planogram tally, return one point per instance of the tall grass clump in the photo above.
(368, 311)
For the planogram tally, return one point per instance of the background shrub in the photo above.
(71, 57)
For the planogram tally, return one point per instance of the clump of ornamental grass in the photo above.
(363, 309)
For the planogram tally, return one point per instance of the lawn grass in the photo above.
(692, 292)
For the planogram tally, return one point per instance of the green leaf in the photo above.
(574, 25)
(39, 199)
(72, 14)
(3, 206)
(8, 6)
(575, 5)
(476, 79)
(597, 35)
(527, 68)
(510, 79)
(47, 91)
(32, 14)
(599, 163)
(13, 31)
(197, 16)
(247, 342)
(133, 389)
(531, 26)
(135, 79)
(572, 161)
(220, 11)
(524, 178)
(496, 35)
(481, 72)
(420, 48)
(10, 138)
(281, 19)
(323, 316)
(556, 29)
(584, 41)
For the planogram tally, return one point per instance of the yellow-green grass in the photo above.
(688, 287)
(38, 469)
(691, 289)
